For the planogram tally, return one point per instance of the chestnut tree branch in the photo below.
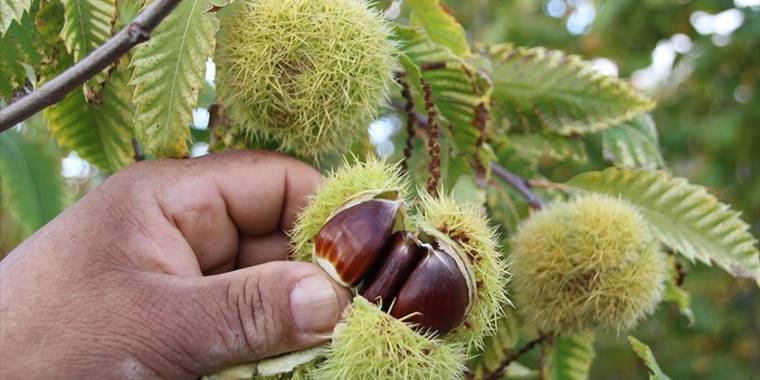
(518, 183)
(498, 372)
(139, 155)
(53, 91)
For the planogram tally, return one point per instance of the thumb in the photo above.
(254, 313)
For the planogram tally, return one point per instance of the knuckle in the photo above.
(257, 317)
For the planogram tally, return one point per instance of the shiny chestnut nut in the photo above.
(400, 256)
(437, 295)
(350, 242)
(427, 284)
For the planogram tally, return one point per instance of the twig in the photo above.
(434, 149)
(139, 155)
(518, 183)
(498, 372)
(56, 89)
(411, 117)
(680, 274)
(544, 184)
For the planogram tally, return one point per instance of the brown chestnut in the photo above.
(437, 294)
(419, 277)
(400, 257)
(349, 243)
(427, 284)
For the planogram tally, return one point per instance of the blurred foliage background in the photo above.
(700, 59)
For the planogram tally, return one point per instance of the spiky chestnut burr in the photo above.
(589, 263)
(445, 234)
(310, 74)
(371, 344)
(465, 227)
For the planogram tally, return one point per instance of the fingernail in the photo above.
(314, 304)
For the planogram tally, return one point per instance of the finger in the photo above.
(250, 314)
(212, 200)
(255, 250)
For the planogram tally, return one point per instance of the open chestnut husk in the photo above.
(419, 278)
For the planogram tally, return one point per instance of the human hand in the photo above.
(168, 269)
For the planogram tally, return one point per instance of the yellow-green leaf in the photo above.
(100, 130)
(32, 187)
(440, 25)
(538, 88)
(88, 25)
(684, 217)
(540, 145)
(633, 143)
(12, 10)
(570, 357)
(645, 353)
(168, 73)
(17, 48)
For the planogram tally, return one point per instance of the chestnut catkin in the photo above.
(310, 74)
(585, 264)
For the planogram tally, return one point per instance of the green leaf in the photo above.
(570, 357)
(547, 89)
(32, 186)
(88, 25)
(17, 48)
(458, 89)
(12, 10)
(440, 25)
(645, 353)
(679, 296)
(466, 189)
(633, 143)
(98, 130)
(168, 74)
(675, 293)
(127, 10)
(684, 217)
(545, 145)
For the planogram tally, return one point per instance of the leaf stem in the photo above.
(53, 91)
(520, 184)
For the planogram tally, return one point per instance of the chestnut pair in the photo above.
(419, 277)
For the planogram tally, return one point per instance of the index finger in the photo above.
(215, 200)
